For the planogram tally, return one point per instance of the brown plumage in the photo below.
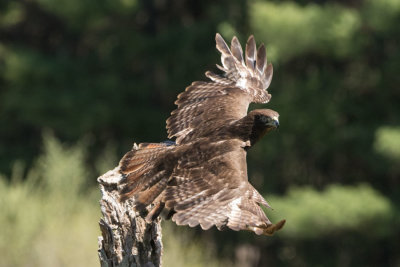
(202, 177)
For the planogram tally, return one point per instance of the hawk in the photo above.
(201, 178)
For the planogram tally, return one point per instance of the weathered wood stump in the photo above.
(126, 240)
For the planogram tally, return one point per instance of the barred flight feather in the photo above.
(201, 178)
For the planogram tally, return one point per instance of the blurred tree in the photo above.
(336, 87)
(89, 67)
(92, 69)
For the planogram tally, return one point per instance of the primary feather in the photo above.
(201, 179)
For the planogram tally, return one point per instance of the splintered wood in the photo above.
(126, 239)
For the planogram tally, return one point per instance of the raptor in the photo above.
(201, 177)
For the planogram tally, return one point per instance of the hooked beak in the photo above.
(274, 123)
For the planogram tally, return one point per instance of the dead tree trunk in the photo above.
(126, 240)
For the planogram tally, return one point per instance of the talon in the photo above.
(269, 229)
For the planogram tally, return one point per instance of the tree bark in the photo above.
(126, 240)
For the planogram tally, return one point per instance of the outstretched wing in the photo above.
(205, 107)
(210, 187)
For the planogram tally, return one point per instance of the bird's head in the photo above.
(265, 119)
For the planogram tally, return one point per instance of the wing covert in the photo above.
(214, 190)
(205, 107)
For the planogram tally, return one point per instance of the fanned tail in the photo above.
(251, 74)
(144, 176)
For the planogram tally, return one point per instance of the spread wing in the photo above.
(210, 187)
(204, 107)
(203, 179)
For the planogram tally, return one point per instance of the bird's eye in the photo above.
(264, 119)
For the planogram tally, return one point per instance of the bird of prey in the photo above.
(201, 177)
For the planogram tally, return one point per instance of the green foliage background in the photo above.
(81, 80)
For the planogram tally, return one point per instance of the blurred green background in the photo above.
(80, 81)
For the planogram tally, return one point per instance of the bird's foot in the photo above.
(268, 229)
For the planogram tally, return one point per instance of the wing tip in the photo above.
(254, 65)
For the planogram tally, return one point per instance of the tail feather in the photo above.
(146, 197)
(143, 176)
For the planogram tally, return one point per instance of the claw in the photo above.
(268, 229)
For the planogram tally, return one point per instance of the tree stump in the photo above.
(126, 240)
